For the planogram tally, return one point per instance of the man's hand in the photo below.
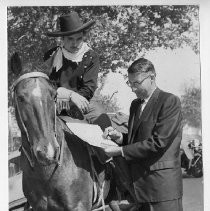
(80, 101)
(113, 134)
(113, 151)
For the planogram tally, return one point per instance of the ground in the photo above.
(193, 194)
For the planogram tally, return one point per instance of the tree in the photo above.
(119, 35)
(120, 31)
(191, 106)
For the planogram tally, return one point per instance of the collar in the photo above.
(147, 99)
(77, 57)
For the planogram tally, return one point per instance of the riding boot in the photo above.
(103, 121)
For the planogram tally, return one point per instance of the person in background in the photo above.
(151, 147)
(75, 69)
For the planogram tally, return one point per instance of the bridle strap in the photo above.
(29, 75)
(22, 77)
(60, 159)
(35, 75)
(60, 156)
(31, 160)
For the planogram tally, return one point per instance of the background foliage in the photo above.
(120, 32)
(119, 35)
(191, 106)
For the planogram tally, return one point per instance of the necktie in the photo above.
(135, 120)
(138, 112)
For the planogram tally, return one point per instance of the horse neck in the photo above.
(75, 150)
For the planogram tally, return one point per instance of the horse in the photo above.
(58, 174)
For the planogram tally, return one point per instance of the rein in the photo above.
(31, 158)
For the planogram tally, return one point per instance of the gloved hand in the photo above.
(69, 95)
(81, 102)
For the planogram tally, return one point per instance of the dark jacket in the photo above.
(81, 77)
(152, 148)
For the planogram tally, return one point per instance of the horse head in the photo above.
(35, 111)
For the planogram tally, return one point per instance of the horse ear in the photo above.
(15, 63)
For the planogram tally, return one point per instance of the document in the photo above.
(90, 133)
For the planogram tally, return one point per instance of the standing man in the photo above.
(151, 147)
(75, 68)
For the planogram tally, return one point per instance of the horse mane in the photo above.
(36, 67)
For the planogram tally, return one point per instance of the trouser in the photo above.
(103, 121)
(171, 205)
(94, 111)
(66, 108)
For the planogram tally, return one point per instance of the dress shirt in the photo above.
(146, 101)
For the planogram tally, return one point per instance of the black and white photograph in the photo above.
(105, 106)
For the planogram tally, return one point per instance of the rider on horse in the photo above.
(75, 69)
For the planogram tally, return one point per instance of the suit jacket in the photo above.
(152, 148)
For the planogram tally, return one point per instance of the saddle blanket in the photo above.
(90, 133)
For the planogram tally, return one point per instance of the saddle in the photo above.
(115, 168)
(101, 171)
(103, 121)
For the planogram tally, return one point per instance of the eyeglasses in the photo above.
(136, 83)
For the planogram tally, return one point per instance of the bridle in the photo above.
(31, 158)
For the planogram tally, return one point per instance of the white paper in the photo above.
(92, 134)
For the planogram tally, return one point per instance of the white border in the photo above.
(205, 69)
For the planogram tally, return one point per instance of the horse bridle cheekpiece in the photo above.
(21, 78)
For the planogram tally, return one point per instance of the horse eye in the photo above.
(20, 98)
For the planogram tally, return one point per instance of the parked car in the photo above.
(193, 166)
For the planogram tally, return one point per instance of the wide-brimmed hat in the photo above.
(70, 24)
